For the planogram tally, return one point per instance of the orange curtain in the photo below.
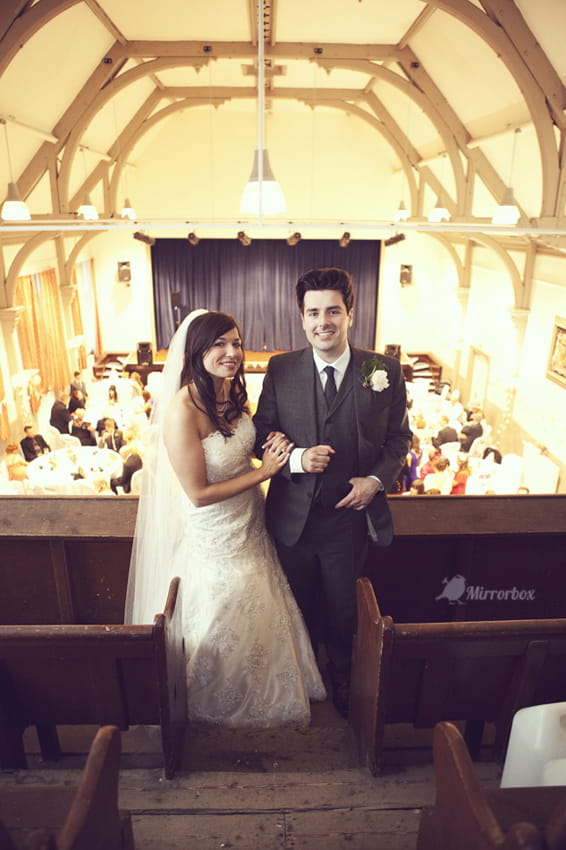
(77, 320)
(4, 419)
(41, 331)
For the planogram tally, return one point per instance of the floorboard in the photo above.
(270, 790)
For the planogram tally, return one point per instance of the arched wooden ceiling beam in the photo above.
(26, 25)
(503, 254)
(17, 263)
(76, 250)
(535, 99)
(454, 256)
(97, 102)
(413, 92)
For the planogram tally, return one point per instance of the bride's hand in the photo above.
(275, 457)
(276, 440)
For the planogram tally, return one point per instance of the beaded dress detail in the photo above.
(249, 657)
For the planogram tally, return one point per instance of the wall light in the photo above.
(245, 240)
(344, 239)
(143, 237)
(193, 238)
(294, 239)
(393, 240)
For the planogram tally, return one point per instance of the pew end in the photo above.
(424, 673)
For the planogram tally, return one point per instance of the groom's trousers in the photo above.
(322, 568)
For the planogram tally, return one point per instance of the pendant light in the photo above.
(262, 193)
(508, 212)
(13, 208)
(87, 209)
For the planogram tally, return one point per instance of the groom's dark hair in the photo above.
(317, 279)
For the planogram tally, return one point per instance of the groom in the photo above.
(351, 436)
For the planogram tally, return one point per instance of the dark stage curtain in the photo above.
(256, 284)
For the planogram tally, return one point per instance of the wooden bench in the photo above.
(114, 674)
(467, 817)
(55, 817)
(422, 673)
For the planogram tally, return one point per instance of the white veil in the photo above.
(159, 522)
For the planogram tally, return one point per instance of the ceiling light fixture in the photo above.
(294, 239)
(13, 208)
(128, 211)
(262, 193)
(401, 214)
(344, 239)
(244, 239)
(508, 212)
(439, 213)
(87, 209)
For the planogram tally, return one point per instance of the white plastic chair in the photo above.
(536, 753)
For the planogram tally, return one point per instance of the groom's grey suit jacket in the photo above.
(379, 446)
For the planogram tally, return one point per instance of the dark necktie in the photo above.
(330, 386)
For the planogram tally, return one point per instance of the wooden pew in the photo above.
(422, 673)
(467, 817)
(85, 817)
(115, 674)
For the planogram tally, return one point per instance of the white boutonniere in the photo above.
(374, 375)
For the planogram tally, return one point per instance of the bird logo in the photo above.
(454, 589)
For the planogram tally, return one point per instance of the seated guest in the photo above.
(428, 466)
(446, 433)
(136, 383)
(32, 444)
(60, 417)
(441, 479)
(15, 463)
(471, 431)
(111, 437)
(461, 475)
(76, 400)
(83, 429)
(132, 462)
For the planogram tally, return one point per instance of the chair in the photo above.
(135, 483)
(92, 819)
(451, 451)
(538, 737)
(467, 817)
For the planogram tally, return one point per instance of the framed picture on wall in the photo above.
(556, 369)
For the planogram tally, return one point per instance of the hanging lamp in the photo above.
(13, 208)
(262, 193)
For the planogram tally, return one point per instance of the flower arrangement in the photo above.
(374, 375)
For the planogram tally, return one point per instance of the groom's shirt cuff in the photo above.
(295, 464)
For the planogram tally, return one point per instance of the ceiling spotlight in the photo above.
(294, 239)
(245, 240)
(399, 237)
(344, 239)
(143, 237)
(193, 238)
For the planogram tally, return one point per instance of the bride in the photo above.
(201, 517)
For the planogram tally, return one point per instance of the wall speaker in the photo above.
(145, 354)
(175, 299)
(124, 272)
(394, 350)
(406, 275)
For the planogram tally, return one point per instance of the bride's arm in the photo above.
(184, 446)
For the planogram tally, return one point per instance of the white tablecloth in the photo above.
(63, 466)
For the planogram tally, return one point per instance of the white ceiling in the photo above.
(367, 102)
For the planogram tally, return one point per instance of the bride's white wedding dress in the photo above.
(249, 657)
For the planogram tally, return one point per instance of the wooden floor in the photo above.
(261, 791)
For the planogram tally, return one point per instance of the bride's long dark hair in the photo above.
(203, 331)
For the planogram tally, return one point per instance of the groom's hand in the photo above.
(362, 492)
(317, 458)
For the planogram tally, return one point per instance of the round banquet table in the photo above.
(65, 466)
